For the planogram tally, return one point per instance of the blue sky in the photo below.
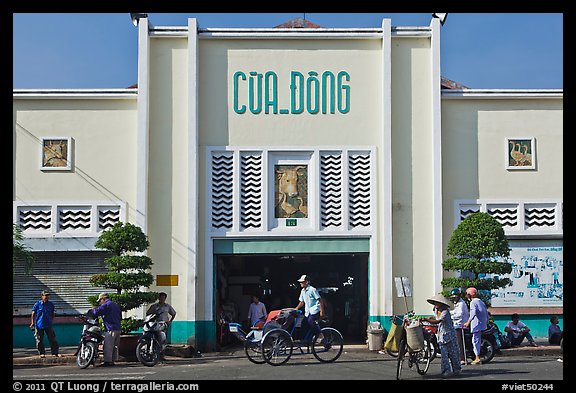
(483, 51)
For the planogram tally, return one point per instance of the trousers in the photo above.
(450, 358)
(39, 336)
(111, 342)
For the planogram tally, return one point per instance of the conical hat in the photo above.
(440, 299)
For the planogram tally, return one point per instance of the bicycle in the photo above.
(417, 354)
(429, 333)
(274, 342)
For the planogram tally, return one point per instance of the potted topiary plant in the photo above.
(478, 247)
(127, 274)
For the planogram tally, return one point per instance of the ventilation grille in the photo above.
(222, 178)
(331, 190)
(517, 218)
(251, 191)
(466, 210)
(359, 190)
(107, 217)
(539, 216)
(507, 216)
(74, 218)
(69, 219)
(35, 218)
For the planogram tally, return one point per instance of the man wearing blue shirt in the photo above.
(313, 308)
(43, 313)
(112, 315)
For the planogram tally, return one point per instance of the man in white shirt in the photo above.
(313, 308)
(517, 331)
(459, 315)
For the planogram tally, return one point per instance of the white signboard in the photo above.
(537, 276)
(402, 287)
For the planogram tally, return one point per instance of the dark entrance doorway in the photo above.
(341, 279)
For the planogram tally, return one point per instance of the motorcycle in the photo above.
(488, 343)
(152, 343)
(90, 341)
(430, 331)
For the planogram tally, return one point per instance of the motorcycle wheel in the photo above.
(487, 350)
(145, 356)
(86, 354)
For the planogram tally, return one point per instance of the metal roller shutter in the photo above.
(65, 274)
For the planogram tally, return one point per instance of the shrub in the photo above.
(127, 273)
(476, 248)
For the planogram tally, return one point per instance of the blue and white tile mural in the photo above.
(537, 275)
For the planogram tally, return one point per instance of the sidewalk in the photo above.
(29, 356)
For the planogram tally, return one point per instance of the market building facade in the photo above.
(252, 156)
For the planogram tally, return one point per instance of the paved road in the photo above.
(352, 365)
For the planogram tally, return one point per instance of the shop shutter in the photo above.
(65, 274)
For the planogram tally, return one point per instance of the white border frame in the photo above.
(69, 151)
(532, 149)
(301, 158)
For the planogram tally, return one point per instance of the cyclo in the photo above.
(273, 341)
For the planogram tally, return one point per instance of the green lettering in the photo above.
(258, 108)
(343, 90)
(237, 109)
(294, 89)
(270, 97)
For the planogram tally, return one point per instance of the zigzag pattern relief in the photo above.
(74, 219)
(541, 217)
(222, 180)
(107, 217)
(35, 220)
(251, 191)
(507, 217)
(359, 189)
(331, 190)
(466, 212)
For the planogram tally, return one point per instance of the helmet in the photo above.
(455, 292)
(471, 291)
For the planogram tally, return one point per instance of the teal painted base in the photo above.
(66, 335)
(538, 324)
(201, 334)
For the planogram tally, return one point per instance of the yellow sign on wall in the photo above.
(167, 280)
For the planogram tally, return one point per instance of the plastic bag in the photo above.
(393, 338)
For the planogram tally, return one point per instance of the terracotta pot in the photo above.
(127, 347)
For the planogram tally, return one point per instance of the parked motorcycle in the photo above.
(488, 343)
(90, 341)
(430, 331)
(152, 343)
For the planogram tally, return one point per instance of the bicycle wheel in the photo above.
(401, 355)
(276, 347)
(329, 348)
(254, 352)
(423, 357)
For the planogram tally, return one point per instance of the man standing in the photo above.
(164, 310)
(477, 321)
(313, 308)
(459, 315)
(112, 315)
(256, 311)
(43, 313)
